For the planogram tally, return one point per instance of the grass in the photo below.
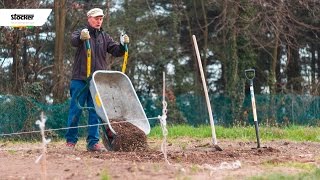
(308, 167)
(294, 133)
(105, 175)
(311, 171)
(301, 176)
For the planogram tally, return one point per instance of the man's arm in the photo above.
(75, 38)
(113, 47)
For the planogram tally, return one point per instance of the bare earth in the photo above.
(187, 159)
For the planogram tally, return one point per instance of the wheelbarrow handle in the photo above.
(125, 59)
(88, 49)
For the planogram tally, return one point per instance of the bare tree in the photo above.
(59, 80)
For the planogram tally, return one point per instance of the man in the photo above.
(101, 44)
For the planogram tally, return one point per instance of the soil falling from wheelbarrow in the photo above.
(129, 137)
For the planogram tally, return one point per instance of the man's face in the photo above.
(95, 22)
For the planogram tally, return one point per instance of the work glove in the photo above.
(84, 35)
(124, 39)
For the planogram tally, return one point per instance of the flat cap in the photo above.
(95, 12)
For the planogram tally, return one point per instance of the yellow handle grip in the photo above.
(125, 59)
(88, 62)
(88, 48)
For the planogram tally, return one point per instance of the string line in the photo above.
(65, 128)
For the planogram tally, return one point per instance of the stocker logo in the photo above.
(24, 17)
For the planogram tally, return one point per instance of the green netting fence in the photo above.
(19, 114)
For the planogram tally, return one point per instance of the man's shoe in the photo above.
(96, 148)
(70, 146)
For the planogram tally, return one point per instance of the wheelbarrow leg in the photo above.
(108, 136)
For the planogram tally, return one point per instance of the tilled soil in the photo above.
(128, 137)
(186, 159)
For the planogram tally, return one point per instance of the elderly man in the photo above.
(101, 43)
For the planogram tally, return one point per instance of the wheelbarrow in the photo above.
(115, 98)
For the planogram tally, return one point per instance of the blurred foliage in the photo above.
(19, 114)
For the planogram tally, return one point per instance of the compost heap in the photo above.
(129, 137)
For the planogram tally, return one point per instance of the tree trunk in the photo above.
(16, 75)
(313, 69)
(205, 33)
(273, 66)
(58, 90)
(107, 16)
(294, 77)
(232, 63)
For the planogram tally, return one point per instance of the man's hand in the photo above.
(84, 35)
(124, 39)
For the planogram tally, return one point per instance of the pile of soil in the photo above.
(128, 137)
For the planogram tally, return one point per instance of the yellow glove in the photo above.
(84, 35)
(124, 39)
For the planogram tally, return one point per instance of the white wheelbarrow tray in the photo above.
(115, 98)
